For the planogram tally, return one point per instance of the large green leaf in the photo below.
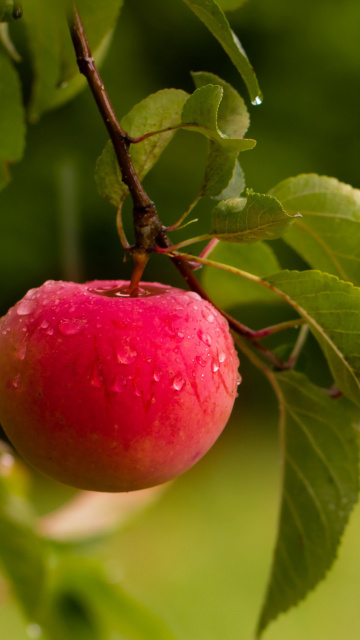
(332, 309)
(227, 289)
(158, 111)
(250, 219)
(210, 13)
(327, 235)
(202, 113)
(56, 76)
(12, 122)
(319, 490)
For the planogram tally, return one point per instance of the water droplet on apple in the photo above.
(44, 325)
(208, 315)
(71, 326)
(157, 374)
(97, 378)
(48, 282)
(25, 307)
(137, 388)
(126, 353)
(215, 366)
(201, 361)
(204, 337)
(16, 381)
(178, 382)
(22, 350)
(119, 384)
(50, 331)
(222, 356)
(239, 380)
(194, 295)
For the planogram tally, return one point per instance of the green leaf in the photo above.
(85, 605)
(332, 309)
(226, 289)
(158, 111)
(12, 120)
(223, 176)
(201, 113)
(209, 12)
(319, 490)
(54, 62)
(256, 217)
(327, 235)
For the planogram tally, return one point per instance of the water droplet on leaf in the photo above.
(256, 101)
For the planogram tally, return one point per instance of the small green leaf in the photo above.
(201, 113)
(225, 288)
(209, 12)
(332, 309)
(223, 176)
(256, 217)
(327, 235)
(12, 120)
(319, 490)
(158, 111)
(232, 116)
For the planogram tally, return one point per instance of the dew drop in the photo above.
(157, 374)
(50, 331)
(25, 307)
(71, 326)
(204, 337)
(239, 380)
(208, 315)
(22, 350)
(44, 325)
(16, 381)
(48, 282)
(215, 366)
(178, 382)
(201, 361)
(222, 357)
(97, 379)
(194, 295)
(126, 353)
(256, 101)
(119, 384)
(137, 388)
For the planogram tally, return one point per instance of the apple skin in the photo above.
(109, 392)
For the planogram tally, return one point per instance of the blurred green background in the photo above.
(200, 556)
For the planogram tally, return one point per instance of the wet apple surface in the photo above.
(108, 391)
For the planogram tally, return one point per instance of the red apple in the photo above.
(110, 392)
